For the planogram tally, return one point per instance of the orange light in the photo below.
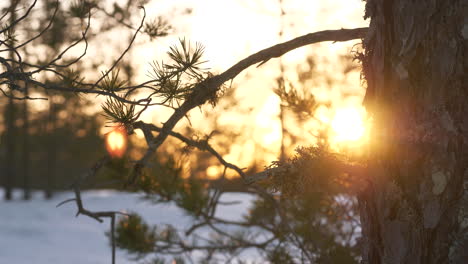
(116, 142)
(348, 124)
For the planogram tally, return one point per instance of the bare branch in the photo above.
(201, 145)
(19, 19)
(51, 20)
(125, 51)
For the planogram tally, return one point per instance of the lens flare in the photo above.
(348, 124)
(116, 142)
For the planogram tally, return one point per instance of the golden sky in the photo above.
(233, 29)
(230, 30)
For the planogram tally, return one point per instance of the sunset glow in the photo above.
(261, 128)
(348, 124)
(116, 143)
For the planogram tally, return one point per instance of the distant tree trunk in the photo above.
(26, 150)
(51, 150)
(10, 149)
(284, 132)
(10, 126)
(415, 207)
(281, 82)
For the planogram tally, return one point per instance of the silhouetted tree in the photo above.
(10, 130)
(26, 149)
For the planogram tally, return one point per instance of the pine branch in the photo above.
(208, 88)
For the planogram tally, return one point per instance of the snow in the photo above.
(37, 232)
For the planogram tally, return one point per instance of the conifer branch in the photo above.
(206, 90)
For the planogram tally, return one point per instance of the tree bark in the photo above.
(415, 206)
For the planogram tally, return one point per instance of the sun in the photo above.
(348, 124)
(116, 142)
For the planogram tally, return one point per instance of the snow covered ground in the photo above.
(36, 232)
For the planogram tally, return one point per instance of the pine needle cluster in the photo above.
(118, 112)
(171, 83)
(176, 80)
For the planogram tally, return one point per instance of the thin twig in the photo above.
(125, 51)
(19, 19)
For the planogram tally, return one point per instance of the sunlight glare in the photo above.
(213, 172)
(116, 143)
(348, 124)
(268, 127)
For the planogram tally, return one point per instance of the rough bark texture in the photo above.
(415, 208)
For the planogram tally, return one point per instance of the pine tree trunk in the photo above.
(10, 125)
(415, 207)
(10, 149)
(26, 150)
(51, 150)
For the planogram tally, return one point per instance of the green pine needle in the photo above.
(118, 112)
